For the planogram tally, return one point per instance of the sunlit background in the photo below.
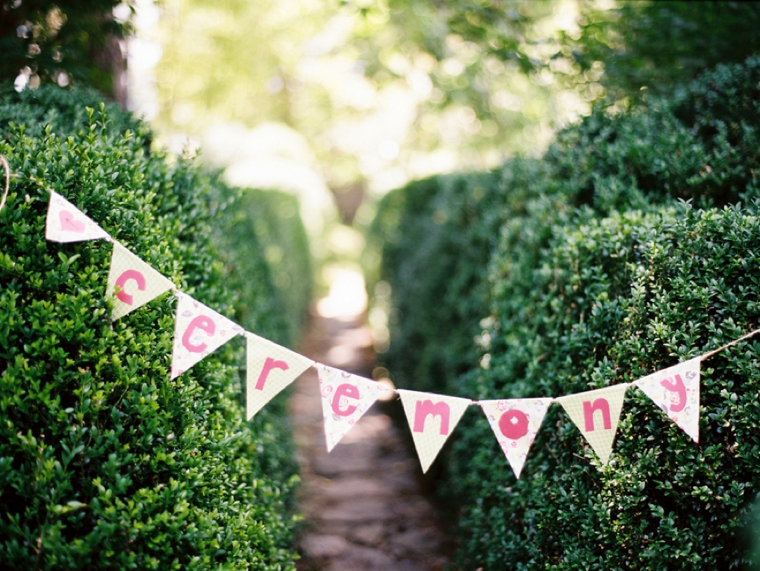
(371, 109)
(340, 102)
(337, 104)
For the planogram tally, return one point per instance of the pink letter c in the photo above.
(121, 281)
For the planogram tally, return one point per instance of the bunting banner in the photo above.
(198, 331)
(269, 369)
(597, 413)
(432, 419)
(345, 399)
(66, 223)
(515, 422)
(676, 391)
(132, 282)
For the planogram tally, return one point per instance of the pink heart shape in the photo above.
(69, 224)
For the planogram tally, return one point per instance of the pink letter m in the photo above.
(426, 407)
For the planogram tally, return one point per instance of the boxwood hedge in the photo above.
(106, 463)
(263, 242)
(633, 244)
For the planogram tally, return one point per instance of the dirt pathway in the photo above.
(363, 502)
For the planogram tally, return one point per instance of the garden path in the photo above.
(364, 504)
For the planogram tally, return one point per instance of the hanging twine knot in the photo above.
(7, 168)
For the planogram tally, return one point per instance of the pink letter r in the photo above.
(269, 364)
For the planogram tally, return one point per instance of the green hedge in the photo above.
(593, 271)
(436, 236)
(104, 461)
(263, 241)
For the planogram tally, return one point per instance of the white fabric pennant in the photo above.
(676, 391)
(198, 330)
(432, 418)
(132, 282)
(596, 414)
(270, 368)
(66, 223)
(515, 422)
(345, 399)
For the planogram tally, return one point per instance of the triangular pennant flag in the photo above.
(270, 368)
(676, 391)
(345, 399)
(132, 282)
(596, 414)
(66, 223)
(198, 330)
(432, 418)
(515, 423)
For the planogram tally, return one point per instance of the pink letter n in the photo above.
(426, 407)
(599, 404)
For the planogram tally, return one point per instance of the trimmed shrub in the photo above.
(437, 236)
(104, 461)
(63, 111)
(263, 240)
(612, 300)
(601, 273)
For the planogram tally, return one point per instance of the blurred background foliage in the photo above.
(346, 100)
(65, 41)
(380, 91)
(338, 101)
(393, 90)
(605, 50)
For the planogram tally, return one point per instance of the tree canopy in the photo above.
(607, 50)
(472, 79)
(63, 41)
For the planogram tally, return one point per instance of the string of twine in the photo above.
(730, 344)
(701, 357)
(7, 168)
(704, 356)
